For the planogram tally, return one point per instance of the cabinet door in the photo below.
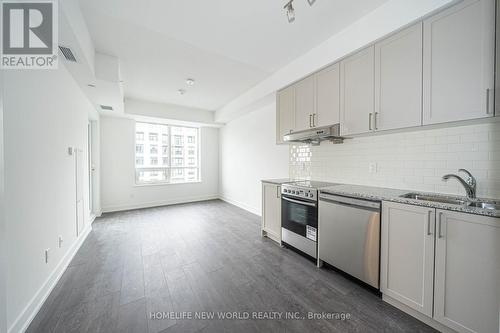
(398, 80)
(271, 211)
(357, 92)
(407, 255)
(467, 272)
(304, 103)
(285, 115)
(327, 97)
(459, 62)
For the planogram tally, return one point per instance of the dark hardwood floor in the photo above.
(181, 260)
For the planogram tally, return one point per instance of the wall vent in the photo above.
(67, 53)
(106, 108)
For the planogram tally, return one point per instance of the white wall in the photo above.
(118, 189)
(249, 154)
(3, 310)
(413, 160)
(45, 112)
(389, 17)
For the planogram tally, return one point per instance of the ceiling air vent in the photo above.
(106, 108)
(67, 53)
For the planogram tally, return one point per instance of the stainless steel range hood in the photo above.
(316, 135)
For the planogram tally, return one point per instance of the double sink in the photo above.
(491, 205)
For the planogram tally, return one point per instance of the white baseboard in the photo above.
(118, 208)
(24, 319)
(242, 205)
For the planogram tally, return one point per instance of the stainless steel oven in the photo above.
(299, 218)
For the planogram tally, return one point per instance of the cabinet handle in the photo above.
(314, 119)
(278, 190)
(375, 121)
(440, 235)
(310, 120)
(370, 121)
(429, 223)
(488, 101)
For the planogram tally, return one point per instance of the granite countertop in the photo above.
(394, 195)
(278, 181)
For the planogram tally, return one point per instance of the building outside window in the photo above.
(178, 162)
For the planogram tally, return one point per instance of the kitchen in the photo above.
(420, 249)
(251, 166)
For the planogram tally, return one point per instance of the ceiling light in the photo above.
(290, 12)
(181, 91)
(311, 2)
(190, 82)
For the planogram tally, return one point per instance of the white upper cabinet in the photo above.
(459, 62)
(304, 103)
(357, 92)
(285, 117)
(327, 96)
(407, 255)
(467, 272)
(398, 80)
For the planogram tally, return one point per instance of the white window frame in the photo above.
(170, 156)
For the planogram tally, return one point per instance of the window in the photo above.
(178, 162)
(178, 140)
(153, 136)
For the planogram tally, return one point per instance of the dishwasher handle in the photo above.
(350, 201)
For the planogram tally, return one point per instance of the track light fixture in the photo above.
(290, 12)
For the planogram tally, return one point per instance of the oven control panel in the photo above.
(299, 192)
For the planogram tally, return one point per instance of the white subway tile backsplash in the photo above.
(413, 160)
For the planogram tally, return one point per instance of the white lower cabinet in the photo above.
(271, 211)
(407, 255)
(443, 264)
(467, 274)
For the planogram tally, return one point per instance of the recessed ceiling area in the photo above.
(227, 46)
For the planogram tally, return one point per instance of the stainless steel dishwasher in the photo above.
(349, 236)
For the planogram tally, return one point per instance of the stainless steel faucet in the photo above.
(469, 183)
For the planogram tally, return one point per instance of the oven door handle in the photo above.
(311, 204)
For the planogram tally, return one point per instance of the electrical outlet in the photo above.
(60, 241)
(372, 167)
(47, 256)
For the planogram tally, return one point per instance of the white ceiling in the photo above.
(228, 46)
